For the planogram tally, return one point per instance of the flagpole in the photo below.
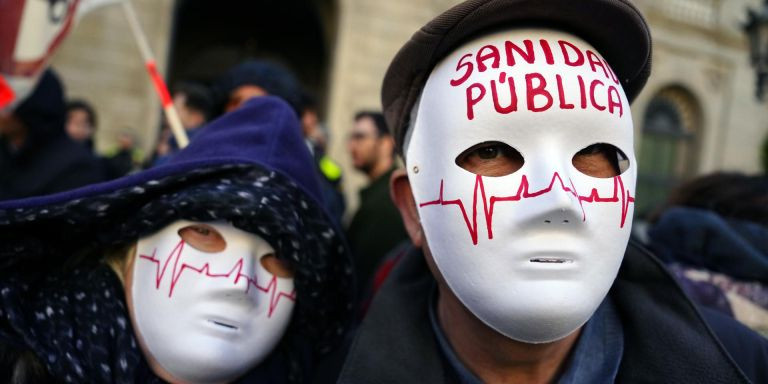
(171, 115)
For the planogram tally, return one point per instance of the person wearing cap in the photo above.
(219, 266)
(514, 122)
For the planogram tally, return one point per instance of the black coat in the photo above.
(375, 229)
(666, 338)
(57, 166)
(48, 161)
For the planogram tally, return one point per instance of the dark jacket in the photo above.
(63, 310)
(375, 229)
(704, 239)
(48, 161)
(722, 263)
(667, 339)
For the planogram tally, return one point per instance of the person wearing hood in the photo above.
(219, 266)
(36, 155)
(255, 78)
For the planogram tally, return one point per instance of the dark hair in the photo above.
(274, 78)
(307, 101)
(378, 121)
(20, 365)
(729, 194)
(197, 97)
(79, 104)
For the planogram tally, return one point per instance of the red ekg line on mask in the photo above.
(237, 271)
(620, 195)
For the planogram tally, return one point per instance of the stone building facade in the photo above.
(697, 114)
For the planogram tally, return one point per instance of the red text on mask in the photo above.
(539, 93)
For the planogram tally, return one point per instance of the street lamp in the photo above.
(757, 31)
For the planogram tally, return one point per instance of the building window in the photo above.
(669, 146)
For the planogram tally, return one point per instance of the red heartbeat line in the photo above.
(236, 270)
(619, 196)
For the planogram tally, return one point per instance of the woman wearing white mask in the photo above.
(218, 267)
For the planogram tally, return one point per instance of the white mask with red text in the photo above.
(533, 253)
(207, 313)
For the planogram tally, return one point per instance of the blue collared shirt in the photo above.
(595, 358)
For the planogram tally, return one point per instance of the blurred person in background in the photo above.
(81, 122)
(376, 228)
(713, 235)
(259, 283)
(316, 137)
(195, 105)
(314, 133)
(162, 147)
(36, 155)
(125, 157)
(255, 78)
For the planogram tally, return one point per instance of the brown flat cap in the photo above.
(614, 27)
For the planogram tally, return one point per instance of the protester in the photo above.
(162, 148)
(317, 139)
(713, 234)
(125, 157)
(195, 105)
(81, 122)
(256, 78)
(313, 131)
(514, 122)
(376, 228)
(36, 155)
(219, 266)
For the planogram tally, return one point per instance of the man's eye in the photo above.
(601, 160)
(490, 158)
(487, 153)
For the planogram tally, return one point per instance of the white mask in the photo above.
(532, 254)
(207, 317)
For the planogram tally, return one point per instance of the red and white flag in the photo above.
(30, 33)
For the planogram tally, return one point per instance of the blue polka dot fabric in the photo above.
(75, 323)
(252, 199)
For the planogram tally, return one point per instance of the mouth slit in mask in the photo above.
(551, 260)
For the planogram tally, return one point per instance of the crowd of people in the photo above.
(476, 254)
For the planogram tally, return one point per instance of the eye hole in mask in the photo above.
(491, 158)
(277, 267)
(203, 237)
(601, 160)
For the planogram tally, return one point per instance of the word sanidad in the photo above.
(539, 94)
